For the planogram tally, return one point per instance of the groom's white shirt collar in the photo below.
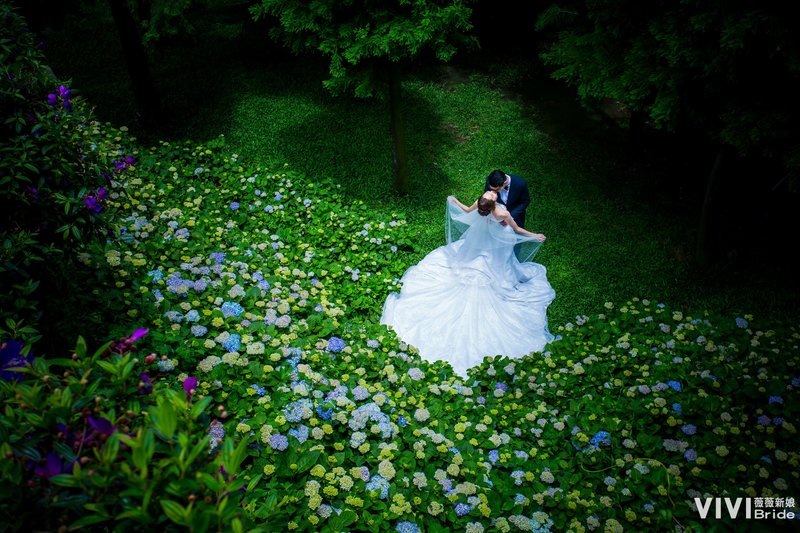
(504, 190)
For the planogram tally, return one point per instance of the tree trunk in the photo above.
(705, 231)
(399, 170)
(142, 84)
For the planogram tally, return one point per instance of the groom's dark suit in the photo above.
(518, 198)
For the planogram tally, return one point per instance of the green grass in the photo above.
(615, 229)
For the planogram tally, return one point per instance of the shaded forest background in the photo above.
(741, 209)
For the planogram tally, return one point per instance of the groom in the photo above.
(512, 192)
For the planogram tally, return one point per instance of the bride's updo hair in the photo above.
(485, 206)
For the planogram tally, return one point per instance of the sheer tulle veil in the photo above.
(486, 232)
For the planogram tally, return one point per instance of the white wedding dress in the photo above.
(478, 295)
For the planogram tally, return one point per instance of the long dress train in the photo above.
(473, 297)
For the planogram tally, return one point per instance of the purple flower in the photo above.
(145, 386)
(234, 206)
(102, 425)
(189, 385)
(741, 323)
(11, 356)
(138, 334)
(51, 467)
(690, 454)
(278, 442)
(92, 203)
(775, 399)
(689, 429)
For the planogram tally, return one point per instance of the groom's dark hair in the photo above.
(497, 178)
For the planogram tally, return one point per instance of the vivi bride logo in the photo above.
(758, 508)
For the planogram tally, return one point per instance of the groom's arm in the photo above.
(522, 205)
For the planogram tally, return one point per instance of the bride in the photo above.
(478, 295)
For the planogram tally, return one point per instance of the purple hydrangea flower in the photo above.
(278, 442)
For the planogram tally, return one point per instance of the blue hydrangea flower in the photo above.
(192, 316)
(378, 483)
(601, 437)
(157, 275)
(234, 206)
(406, 527)
(462, 509)
(199, 331)
(677, 408)
(324, 414)
(335, 345)
(231, 309)
(675, 385)
(300, 433)
(232, 343)
(690, 454)
(261, 391)
(218, 257)
(741, 323)
(775, 399)
(494, 456)
(360, 393)
(402, 421)
(689, 429)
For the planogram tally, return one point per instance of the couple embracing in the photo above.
(480, 294)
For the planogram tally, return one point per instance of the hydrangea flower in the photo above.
(231, 309)
(278, 442)
(335, 345)
(379, 484)
(216, 432)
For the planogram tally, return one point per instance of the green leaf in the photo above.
(88, 521)
(253, 482)
(175, 512)
(308, 460)
(108, 367)
(64, 480)
(164, 418)
(200, 406)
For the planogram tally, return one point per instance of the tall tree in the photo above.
(144, 90)
(726, 71)
(370, 40)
